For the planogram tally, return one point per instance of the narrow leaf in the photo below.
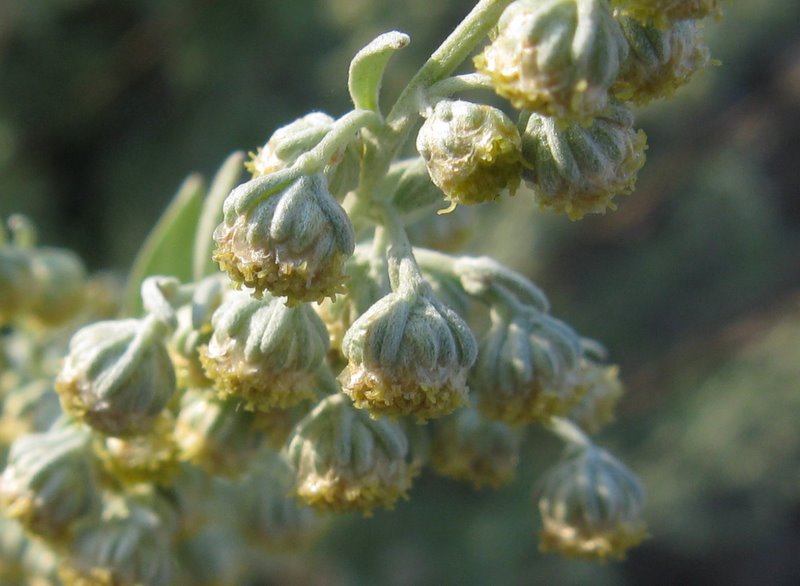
(167, 250)
(366, 69)
(224, 181)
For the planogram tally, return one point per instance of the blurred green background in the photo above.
(694, 284)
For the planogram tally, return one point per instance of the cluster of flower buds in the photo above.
(574, 68)
(338, 359)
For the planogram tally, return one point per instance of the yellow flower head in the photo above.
(555, 57)
(293, 243)
(578, 170)
(264, 353)
(346, 461)
(526, 369)
(472, 151)
(409, 354)
(591, 506)
(660, 60)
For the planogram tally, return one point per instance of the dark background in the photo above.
(693, 284)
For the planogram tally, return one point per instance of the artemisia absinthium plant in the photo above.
(333, 359)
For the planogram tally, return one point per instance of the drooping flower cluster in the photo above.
(349, 361)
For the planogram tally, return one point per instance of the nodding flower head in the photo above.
(555, 57)
(129, 545)
(465, 446)
(293, 243)
(117, 376)
(661, 59)
(526, 369)
(600, 389)
(264, 353)
(408, 354)
(346, 461)
(49, 483)
(577, 170)
(591, 506)
(472, 151)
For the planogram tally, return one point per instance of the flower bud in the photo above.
(60, 285)
(472, 151)
(467, 447)
(291, 141)
(591, 506)
(575, 169)
(216, 435)
(660, 60)
(117, 376)
(272, 518)
(526, 368)
(16, 282)
(25, 561)
(293, 243)
(151, 458)
(599, 389)
(263, 352)
(129, 546)
(29, 408)
(661, 12)
(48, 483)
(346, 461)
(408, 355)
(555, 57)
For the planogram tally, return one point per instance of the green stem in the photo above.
(436, 262)
(382, 146)
(404, 273)
(568, 432)
(459, 83)
(342, 132)
(378, 267)
(450, 54)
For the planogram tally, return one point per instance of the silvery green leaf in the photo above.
(366, 69)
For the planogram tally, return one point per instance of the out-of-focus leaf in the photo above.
(226, 179)
(168, 248)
